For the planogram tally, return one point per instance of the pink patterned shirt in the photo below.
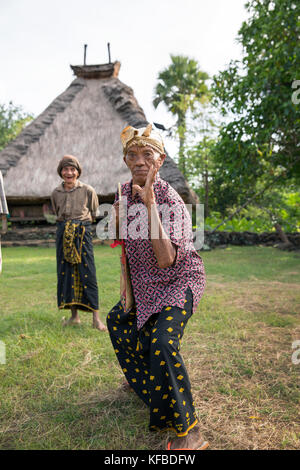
(155, 287)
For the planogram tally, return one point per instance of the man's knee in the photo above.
(165, 343)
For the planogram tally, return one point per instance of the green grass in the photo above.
(60, 387)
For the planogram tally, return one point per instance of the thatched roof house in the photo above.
(85, 120)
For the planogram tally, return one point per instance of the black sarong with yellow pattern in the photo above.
(76, 272)
(152, 364)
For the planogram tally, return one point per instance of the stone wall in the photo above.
(45, 235)
(248, 238)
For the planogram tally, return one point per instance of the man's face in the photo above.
(69, 174)
(139, 161)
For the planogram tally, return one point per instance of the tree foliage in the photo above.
(12, 120)
(262, 138)
(180, 87)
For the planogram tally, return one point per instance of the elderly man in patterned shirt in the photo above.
(168, 280)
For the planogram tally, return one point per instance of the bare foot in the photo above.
(71, 321)
(193, 440)
(126, 387)
(99, 325)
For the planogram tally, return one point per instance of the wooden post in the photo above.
(109, 57)
(84, 55)
(4, 224)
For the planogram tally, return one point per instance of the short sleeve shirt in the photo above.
(80, 203)
(155, 287)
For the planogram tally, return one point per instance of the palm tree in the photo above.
(181, 85)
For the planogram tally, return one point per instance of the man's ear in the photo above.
(124, 159)
(162, 158)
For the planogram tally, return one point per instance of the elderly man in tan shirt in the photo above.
(75, 205)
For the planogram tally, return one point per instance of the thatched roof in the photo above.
(86, 121)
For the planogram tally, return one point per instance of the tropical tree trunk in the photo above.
(206, 189)
(182, 133)
(283, 237)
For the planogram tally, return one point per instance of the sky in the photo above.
(41, 38)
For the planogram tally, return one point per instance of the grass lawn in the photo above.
(60, 387)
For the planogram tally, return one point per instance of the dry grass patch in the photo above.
(244, 383)
(60, 388)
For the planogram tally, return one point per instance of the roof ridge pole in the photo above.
(109, 57)
(84, 55)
